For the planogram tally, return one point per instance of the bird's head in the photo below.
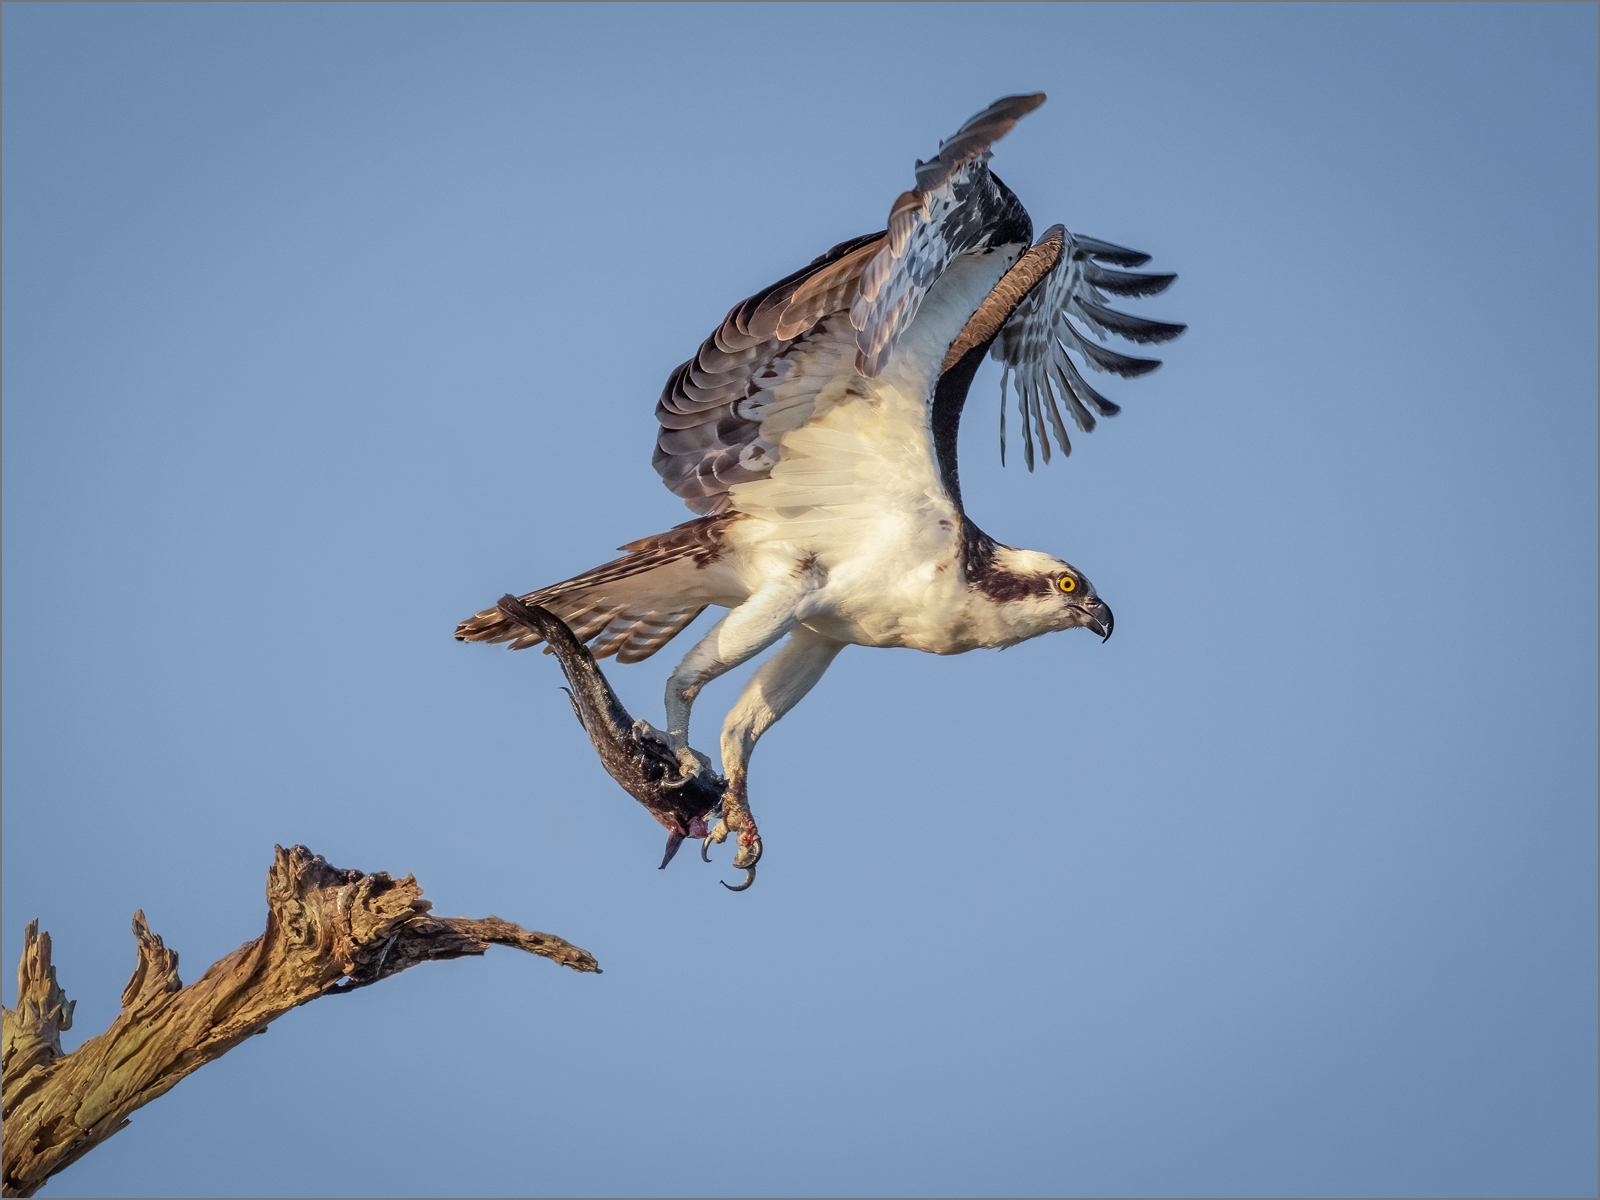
(1042, 594)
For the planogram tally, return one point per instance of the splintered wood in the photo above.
(329, 932)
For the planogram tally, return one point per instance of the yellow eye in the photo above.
(1067, 584)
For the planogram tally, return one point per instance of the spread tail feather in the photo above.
(633, 605)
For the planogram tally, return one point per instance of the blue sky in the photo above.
(325, 325)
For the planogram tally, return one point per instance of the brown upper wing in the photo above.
(706, 443)
(710, 436)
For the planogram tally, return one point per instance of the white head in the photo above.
(1037, 592)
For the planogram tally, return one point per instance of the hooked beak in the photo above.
(1100, 619)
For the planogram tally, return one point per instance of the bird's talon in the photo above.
(643, 729)
(691, 763)
(749, 854)
(749, 878)
(717, 833)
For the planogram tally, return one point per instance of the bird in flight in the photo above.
(815, 433)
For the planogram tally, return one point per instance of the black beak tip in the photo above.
(1100, 614)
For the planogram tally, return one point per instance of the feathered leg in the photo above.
(778, 686)
(746, 631)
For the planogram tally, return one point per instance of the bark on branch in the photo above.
(328, 933)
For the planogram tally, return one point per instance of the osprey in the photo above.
(815, 433)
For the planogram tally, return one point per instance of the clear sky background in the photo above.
(327, 325)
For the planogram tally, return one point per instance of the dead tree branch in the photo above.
(328, 932)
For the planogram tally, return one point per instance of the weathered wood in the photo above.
(329, 932)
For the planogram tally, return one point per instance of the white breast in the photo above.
(857, 484)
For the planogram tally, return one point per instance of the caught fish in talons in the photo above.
(636, 756)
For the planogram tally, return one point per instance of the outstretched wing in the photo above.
(713, 408)
(1035, 340)
(710, 436)
(957, 205)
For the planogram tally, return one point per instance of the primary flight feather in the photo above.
(815, 432)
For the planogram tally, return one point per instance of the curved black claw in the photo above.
(674, 840)
(749, 855)
(749, 878)
(704, 846)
